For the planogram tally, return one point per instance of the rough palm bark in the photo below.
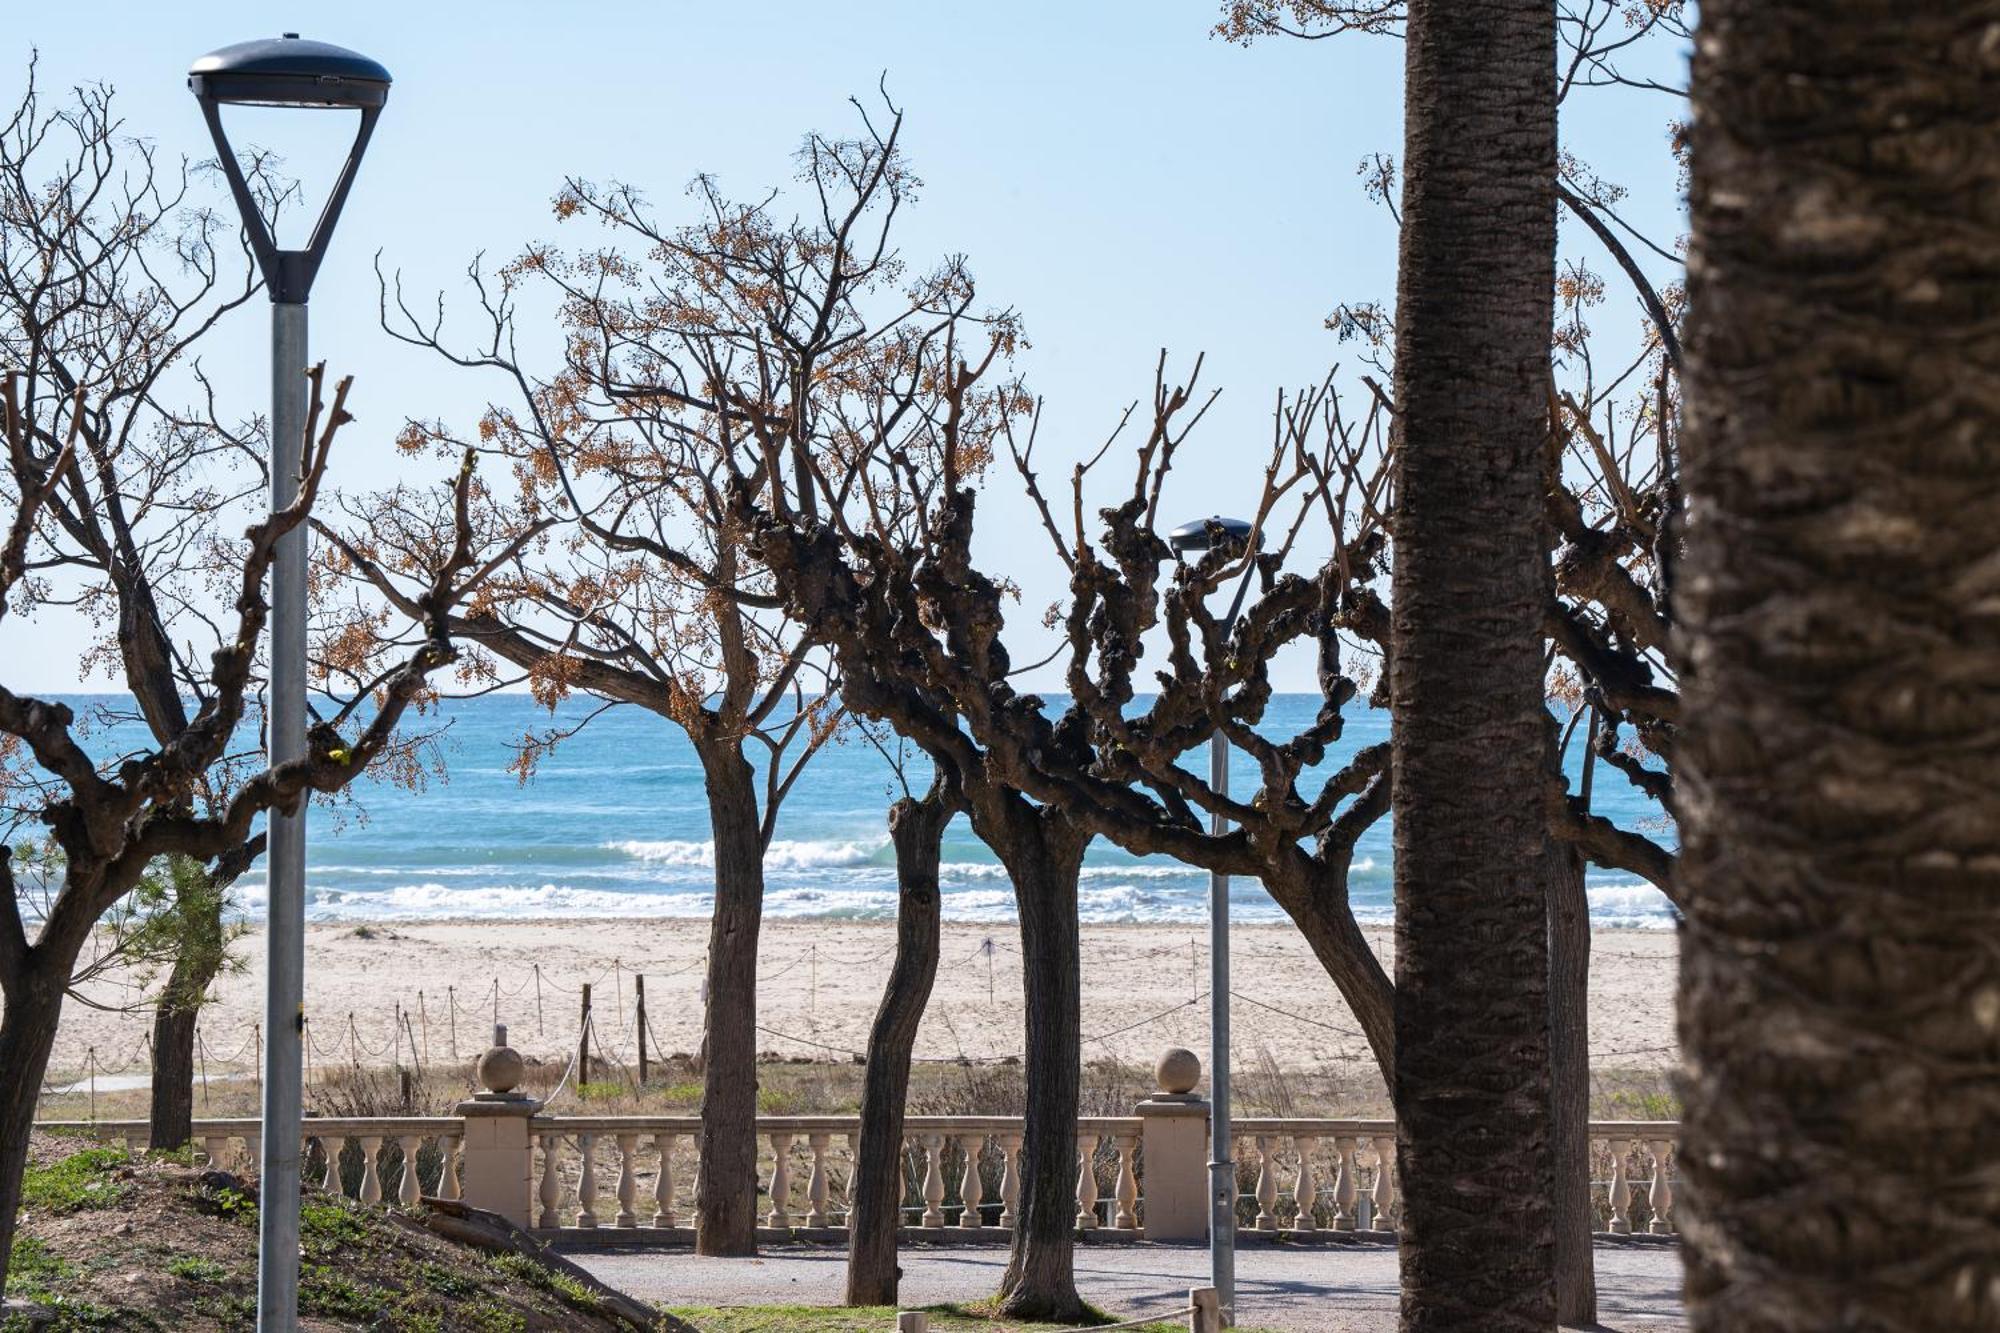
(1840, 969)
(1471, 577)
(875, 1196)
(726, 1205)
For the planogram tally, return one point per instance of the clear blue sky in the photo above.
(1123, 179)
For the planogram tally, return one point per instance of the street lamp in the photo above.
(286, 72)
(1188, 539)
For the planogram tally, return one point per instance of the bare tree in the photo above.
(111, 273)
(111, 817)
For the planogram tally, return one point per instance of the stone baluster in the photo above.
(663, 1183)
(933, 1147)
(213, 1147)
(1383, 1196)
(449, 1185)
(1305, 1189)
(1621, 1190)
(1086, 1179)
(628, 1180)
(333, 1146)
(971, 1189)
(1267, 1186)
(371, 1180)
(252, 1158)
(586, 1181)
(1127, 1142)
(1660, 1197)
(816, 1183)
(1010, 1177)
(781, 1181)
(551, 1182)
(408, 1191)
(1346, 1190)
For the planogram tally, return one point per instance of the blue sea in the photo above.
(614, 824)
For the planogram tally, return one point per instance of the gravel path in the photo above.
(1338, 1289)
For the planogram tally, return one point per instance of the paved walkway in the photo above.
(1337, 1289)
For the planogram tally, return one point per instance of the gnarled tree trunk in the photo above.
(1043, 853)
(726, 1201)
(174, 1017)
(875, 1195)
(1470, 581)
(1840, 966)
(1569, 1082)
(27, 1035)
(1314, 896)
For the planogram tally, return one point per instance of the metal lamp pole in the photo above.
(286, 72)
(1193, 538)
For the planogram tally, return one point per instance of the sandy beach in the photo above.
(440, 985)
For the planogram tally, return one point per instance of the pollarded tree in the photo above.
(1840, 970)
(111, 817)
(921, 636)
(743, 347)
(1470, 584)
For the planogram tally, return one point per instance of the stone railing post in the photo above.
(1174, 1142)
(497, 1167)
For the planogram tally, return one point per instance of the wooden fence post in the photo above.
(583, 1041)
(639, 1002)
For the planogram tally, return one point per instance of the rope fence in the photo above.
(405, 1033)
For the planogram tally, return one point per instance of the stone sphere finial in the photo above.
(501, 1067)
(1178, 1070)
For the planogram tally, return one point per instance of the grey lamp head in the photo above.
(1190, 538)
(288, 71)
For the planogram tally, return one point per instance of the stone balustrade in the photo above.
(1142, 1176)
(365, 1158)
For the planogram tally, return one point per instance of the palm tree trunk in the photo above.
(1471, 576)
(916, 827)
(1840, 967)
(726, 1199)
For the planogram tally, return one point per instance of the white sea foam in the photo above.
(780, 855)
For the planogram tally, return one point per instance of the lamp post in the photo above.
(1193, 538)
(286, 72)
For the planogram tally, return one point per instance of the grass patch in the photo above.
(949, 1318)
(194, 1268)
(31, 1269)
(325, 1226)
(445, 1282)
(553, 1281)
(328, 1291)
(81, 1180)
